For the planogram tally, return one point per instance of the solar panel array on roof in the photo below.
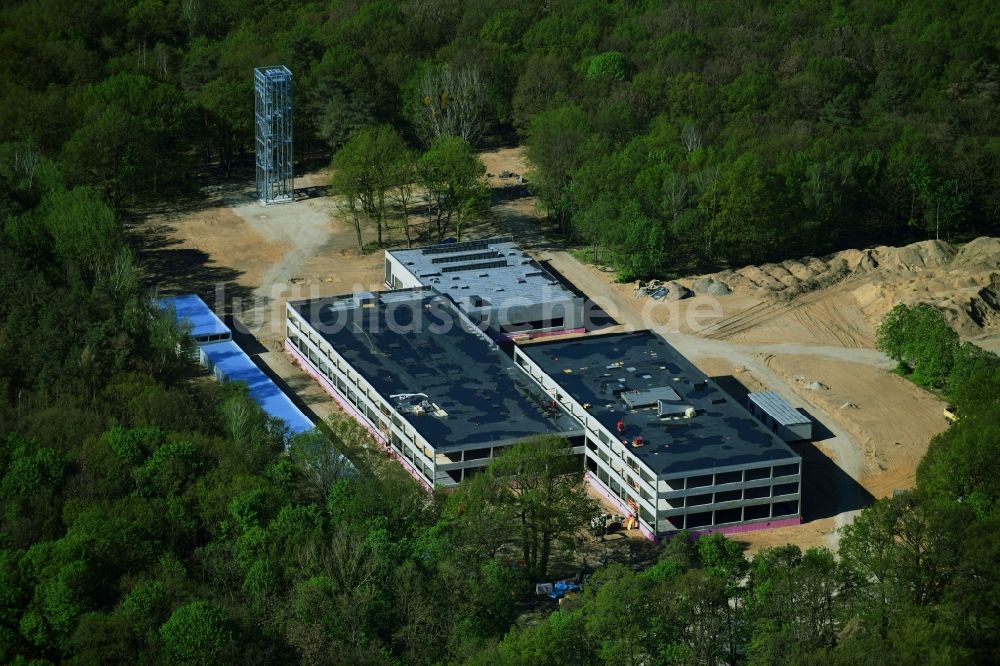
(465, 245)
(492, 254)
(502, 263)
(532, 299)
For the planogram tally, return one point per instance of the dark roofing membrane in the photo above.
(487, 398)
(602, 370)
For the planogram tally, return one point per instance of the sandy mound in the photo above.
(982, 254)
(963, 284)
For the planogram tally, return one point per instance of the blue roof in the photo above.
(192, 309)
(231, 361)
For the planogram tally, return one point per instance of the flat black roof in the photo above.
(484, 396)
(611, 371)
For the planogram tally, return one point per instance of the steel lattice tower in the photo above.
(273, 110)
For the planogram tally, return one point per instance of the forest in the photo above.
(667, 135)
(150, 515)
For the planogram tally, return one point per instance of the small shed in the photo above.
(781, 418)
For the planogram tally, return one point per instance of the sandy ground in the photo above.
(859, 453)
(869, 402)
(254, 259)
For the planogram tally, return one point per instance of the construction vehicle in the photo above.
(950, 414)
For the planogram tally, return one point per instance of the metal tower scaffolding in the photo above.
(273, 110)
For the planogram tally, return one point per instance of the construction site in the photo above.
(800, 331)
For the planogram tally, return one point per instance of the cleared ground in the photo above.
(873, 426)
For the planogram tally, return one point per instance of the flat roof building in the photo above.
(228, 362)
(203, 324)
(662, 440)
(779, 416)
(423, 378)
(500, 287)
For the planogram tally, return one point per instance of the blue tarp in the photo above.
(560, 589)
(192, 309)
(227, 359)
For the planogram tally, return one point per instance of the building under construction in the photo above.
(423, 379)
(420, 367)
(506, 292)
(664, 442)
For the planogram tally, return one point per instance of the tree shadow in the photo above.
(528, 229)
(214, 194)
(312, 192)
(253, 348)
(179, 270)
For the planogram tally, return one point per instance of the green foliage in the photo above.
(961, 464)
(607, 65)
(131, 445)
(531, 496)
(455, 181)
(921, 341)
(168, 469)
(146, 516)
(365, 169)
(197, 633)
(30, 469)
(556, 148)
(85, 233)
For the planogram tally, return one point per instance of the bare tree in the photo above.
(675, 191)
(118, 272)
(452, 103)
(26, 161)
(402, 191)
(690, 137)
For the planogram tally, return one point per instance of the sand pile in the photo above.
(796, 277)
(963, 284)
(982, 254)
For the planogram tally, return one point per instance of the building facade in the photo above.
(423, 379)
(663, 442)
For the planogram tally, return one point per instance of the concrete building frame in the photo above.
(724, 498)
(423, 459)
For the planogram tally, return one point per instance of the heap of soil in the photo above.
(963, 283)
